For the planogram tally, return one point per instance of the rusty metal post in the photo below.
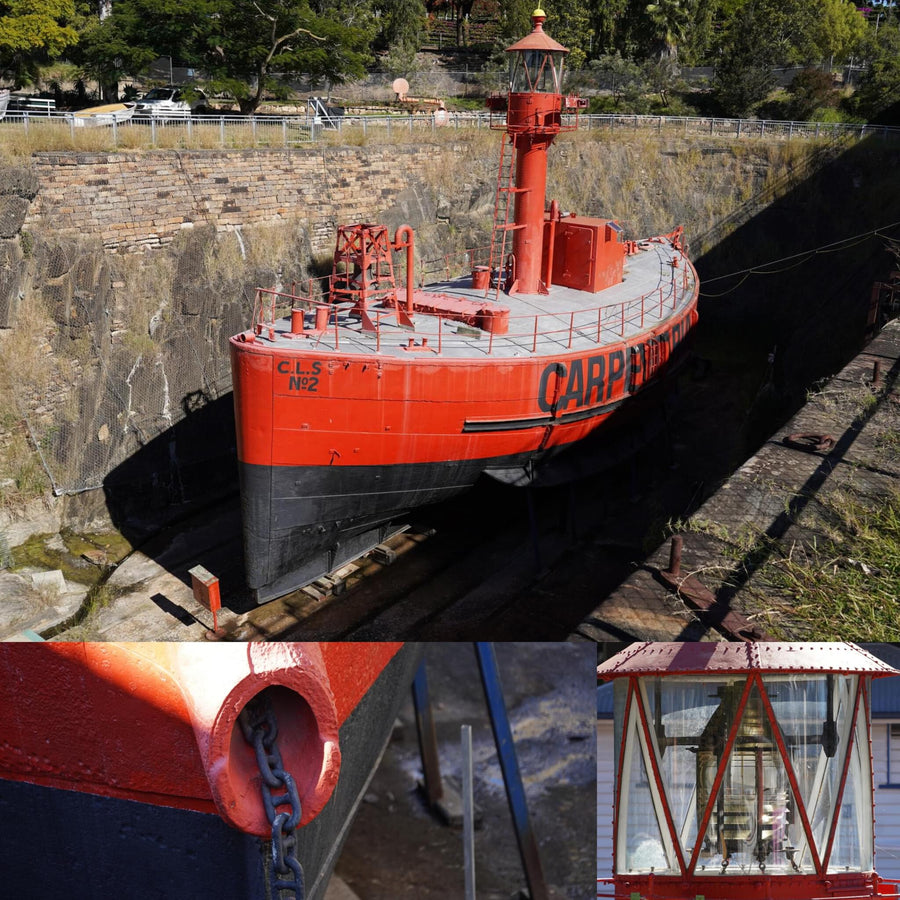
(675, 554)
(431, 766)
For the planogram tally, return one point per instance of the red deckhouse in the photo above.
(744, 770)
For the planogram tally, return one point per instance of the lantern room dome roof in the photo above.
(664, 658)
(538, 39)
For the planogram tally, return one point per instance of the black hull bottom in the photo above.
(301, 522)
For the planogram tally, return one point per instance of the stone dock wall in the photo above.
(144, 200)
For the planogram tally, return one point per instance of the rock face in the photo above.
(122, 278)
(18, 187)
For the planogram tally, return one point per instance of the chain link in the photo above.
(260, 729)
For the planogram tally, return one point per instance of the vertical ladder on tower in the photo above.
(504, 208)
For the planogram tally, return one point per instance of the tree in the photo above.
(246, 47)
(744, 74)
(671, 19)
(402, 23)
(569, 22)
(107, 49)
(701, 34)
(252, 45)
(515, 19)
(32, 32)
(811, 90)
(877, 99)
(840, 30)
(761, 35)
(606, 19)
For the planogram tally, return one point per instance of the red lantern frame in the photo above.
(755, 664)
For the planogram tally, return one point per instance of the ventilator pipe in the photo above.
(552, 219)
(409, 243)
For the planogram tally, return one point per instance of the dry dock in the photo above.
(780, 524)
(498, 564)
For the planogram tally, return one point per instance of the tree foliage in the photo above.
(839, 30)
(253, 48)
(250, 46)
(402, 27)
(671, 20)
(762, 35)
(878, 96)
(32, 32)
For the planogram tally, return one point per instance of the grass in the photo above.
(80, 626)
(846, 583)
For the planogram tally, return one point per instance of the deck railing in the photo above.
(597, 324)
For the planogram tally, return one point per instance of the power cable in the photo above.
(797, 259)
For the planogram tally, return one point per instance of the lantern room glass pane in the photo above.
(852, 850)
(753, 826)
(640, 846)
(679, 713)
(536, 71)
(814, 715)
(846, 853)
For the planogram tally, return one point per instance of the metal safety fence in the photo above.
(237, 131)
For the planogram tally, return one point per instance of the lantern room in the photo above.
(535, 81)
(743, 770)
(536, 61)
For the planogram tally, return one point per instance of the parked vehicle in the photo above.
(113, 113)
(171, 102)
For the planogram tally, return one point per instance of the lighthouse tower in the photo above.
(533, 245)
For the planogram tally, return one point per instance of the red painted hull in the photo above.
(333, 443)
(156, 722)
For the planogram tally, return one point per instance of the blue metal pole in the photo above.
(509, 764)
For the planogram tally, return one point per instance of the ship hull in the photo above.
(118, 839)
(334, 447)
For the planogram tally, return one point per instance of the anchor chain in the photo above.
(260, 729)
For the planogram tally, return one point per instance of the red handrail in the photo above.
(268, 301)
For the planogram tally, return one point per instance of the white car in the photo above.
(171, 102)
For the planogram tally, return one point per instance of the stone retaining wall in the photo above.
(139, 200)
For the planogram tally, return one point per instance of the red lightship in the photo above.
(369, 401)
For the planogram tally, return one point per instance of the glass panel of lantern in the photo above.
(679, 711)
(852, 848)
(536, 70)
(753, 825)
(814, 713)
(642, 846)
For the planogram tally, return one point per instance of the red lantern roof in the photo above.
(537, 40)
(663, 658)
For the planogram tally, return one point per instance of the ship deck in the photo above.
(652, 293)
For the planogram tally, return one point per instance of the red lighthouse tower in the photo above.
(546, 248)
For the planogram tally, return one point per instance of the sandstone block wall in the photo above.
(139, 200)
